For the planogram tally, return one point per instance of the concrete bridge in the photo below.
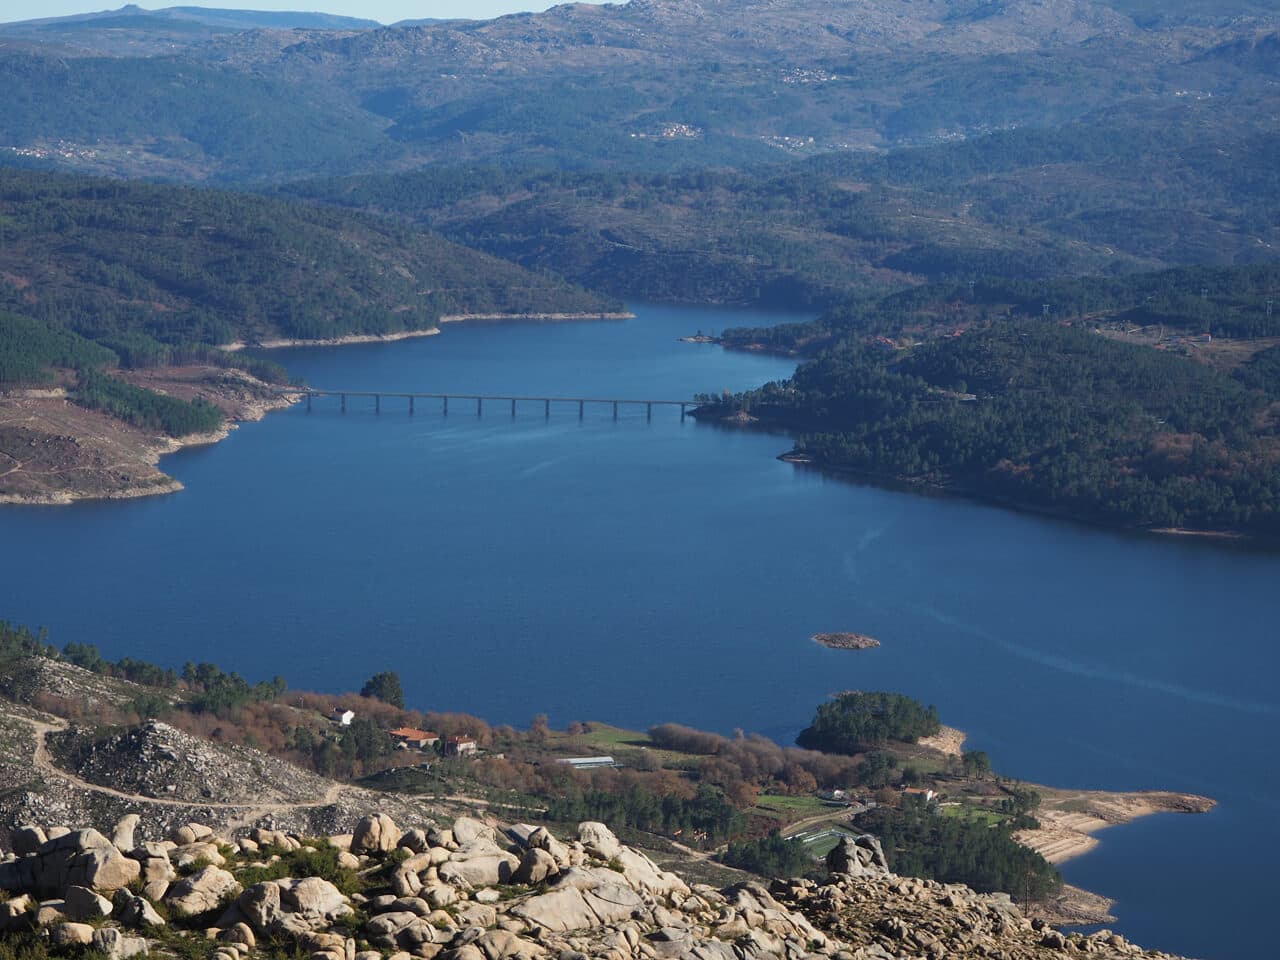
(502, 399)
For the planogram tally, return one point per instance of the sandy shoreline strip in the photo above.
(1069, 819)
(461, 317)
(353, 338)
(238, 345)
(1211, 534)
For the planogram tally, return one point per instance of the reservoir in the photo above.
(638, 571)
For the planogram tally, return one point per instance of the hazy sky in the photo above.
(386, 11)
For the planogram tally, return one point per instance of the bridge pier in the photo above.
(513, 409)
(579, 409)
(648, 411)
(446, 406)
(615, 409)
(411, 404)
(377, 403)
(479, 402)
(344, 403)
(308, 403)
(546, 410)
(682, 413)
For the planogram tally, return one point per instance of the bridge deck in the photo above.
(490, 396)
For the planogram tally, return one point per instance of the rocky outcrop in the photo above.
(886, 916)
(83, 858)
(375, 834)
(482, 891)
(201, 892)
(846, 641)
(858, 857)
(159, 760)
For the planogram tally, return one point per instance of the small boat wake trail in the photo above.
(543, 465)
(864, 541)
(1095, 671)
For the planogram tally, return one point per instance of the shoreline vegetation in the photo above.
(899, 482)
(1122, 408)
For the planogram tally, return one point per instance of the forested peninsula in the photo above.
(1150, 401)
(116, 297)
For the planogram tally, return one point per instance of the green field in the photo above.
(793, 808)
(601, 738)
(967, 812)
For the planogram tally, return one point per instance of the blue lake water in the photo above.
(644, 571)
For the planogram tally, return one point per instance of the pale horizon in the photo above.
(384, 11)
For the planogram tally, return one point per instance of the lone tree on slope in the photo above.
(384, 686)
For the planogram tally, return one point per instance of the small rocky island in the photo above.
(846, 641)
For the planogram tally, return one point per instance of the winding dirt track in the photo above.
(247, 812)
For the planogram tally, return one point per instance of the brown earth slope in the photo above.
(53, 451)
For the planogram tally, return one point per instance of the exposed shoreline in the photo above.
(948, 741)
(1070, 818)
(237, 345)
(462, 317)
(355, 338)
(113, 460)
(1068, 821)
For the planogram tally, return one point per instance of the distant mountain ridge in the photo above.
(209, 16)
(648, 85)
(645, 147)
(582, 35)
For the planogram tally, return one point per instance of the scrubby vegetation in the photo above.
(305, 861)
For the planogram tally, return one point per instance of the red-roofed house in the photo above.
(409, 737)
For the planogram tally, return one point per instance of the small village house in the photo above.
(460, 746)
(412, 739)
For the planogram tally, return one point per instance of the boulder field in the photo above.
(483, 890)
